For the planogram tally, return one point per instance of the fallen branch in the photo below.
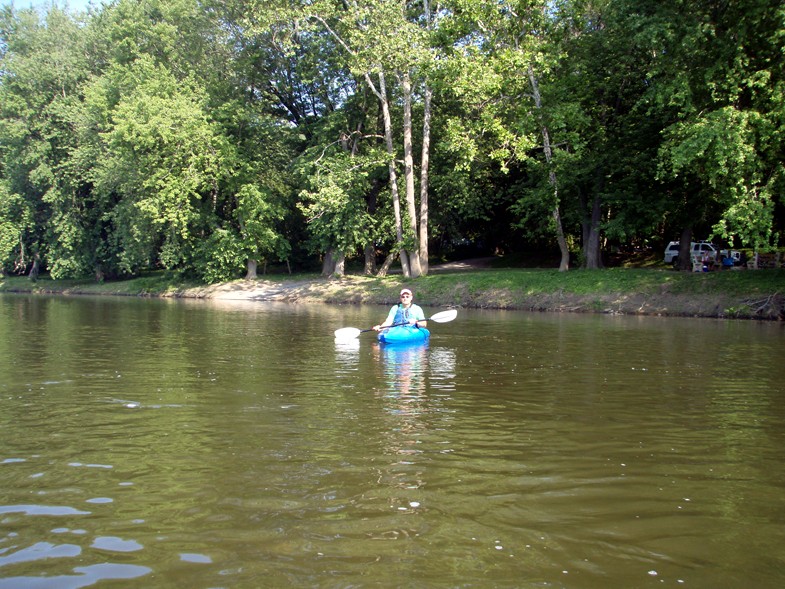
(771, 305)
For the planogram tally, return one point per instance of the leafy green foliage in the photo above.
(15, 221)
(204, 136)
(334, 204)
(724, 73)
(258, 214)
(219, 256)
(164, 155)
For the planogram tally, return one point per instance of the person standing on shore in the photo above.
(405, 312)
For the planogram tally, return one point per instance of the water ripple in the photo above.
(84, 577)
(41, 551)
(42, 510)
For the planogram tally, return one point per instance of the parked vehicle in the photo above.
(700, 250)
(671, 251)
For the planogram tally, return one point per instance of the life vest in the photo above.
(403, 315)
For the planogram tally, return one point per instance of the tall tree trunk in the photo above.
(425, 160)
(424, 167)
(591, 244)
(340, 265)
(590, 228)
(385, 268)
(685, 249)
(370, 260)
(408, 172)
(33, 275)
(333, 263)
(381, 94)
(564, 264)
(328, 263)
(396, 199)
(592, 217)
(250, 273)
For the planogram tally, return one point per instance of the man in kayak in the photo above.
(404, 313)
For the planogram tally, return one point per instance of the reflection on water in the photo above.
(206, 444)
(405, 369)
(347, 355)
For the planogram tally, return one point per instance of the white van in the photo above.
(672, 251)
(698, 249)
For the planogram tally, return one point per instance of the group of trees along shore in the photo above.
(214, 137)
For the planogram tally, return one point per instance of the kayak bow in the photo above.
(404, 334)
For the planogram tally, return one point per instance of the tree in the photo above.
(15, 224)
(336, 207)
(292, 74)
(183, 133)
(44, 64)
(723, 76)
(382, 41)
(192, 161)
(500, 48)
(608, 48)
(163, 158)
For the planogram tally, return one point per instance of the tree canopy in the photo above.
(206, 138)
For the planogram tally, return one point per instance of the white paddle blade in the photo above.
(444, 316)
(347, 333)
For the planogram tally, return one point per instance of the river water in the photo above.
(158, 443)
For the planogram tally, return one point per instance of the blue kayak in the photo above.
(404, 334)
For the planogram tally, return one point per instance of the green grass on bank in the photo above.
(523, 282)
(614, 280)
(152, 285)
(740, 294)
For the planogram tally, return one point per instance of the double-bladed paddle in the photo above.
(349, 333)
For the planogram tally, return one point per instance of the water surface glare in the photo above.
(205, 444)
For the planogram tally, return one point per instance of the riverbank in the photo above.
(629, 291)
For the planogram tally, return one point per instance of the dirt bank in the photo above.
(466, 290)
(362, 290)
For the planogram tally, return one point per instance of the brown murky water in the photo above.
(196, 444)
